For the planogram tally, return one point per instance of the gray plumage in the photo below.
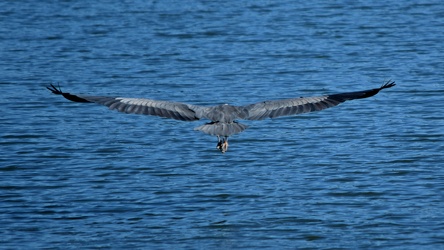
(223, 117)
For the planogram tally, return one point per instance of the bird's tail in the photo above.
(222, 128)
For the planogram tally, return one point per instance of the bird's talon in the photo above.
(222, 144)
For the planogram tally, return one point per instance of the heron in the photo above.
(223, 118)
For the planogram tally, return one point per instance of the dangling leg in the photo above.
(224, 145)
(219, 143)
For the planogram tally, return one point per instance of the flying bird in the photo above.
(223, 118)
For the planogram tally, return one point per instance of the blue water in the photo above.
(367, 174)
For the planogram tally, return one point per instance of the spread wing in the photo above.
(174, 110)
(273, 109)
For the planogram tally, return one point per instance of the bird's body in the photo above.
(223, 117)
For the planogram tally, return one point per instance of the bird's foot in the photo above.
(222, 144)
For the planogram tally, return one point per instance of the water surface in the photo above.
(366, 174)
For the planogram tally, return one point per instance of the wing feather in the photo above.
(174, 110)
(277, 108)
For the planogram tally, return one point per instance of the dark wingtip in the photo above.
(54, 90)
(388, 84)
(58, 91)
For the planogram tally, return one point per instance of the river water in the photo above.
(367, 174)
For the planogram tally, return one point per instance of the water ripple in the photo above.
(364, 175)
